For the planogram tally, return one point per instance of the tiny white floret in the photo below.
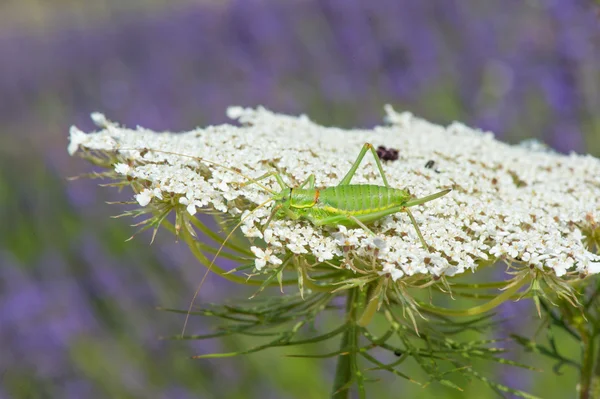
(99, 119)
(264, 257)
(76, 138)
(144, 197)
(122, 168)
(392, 271)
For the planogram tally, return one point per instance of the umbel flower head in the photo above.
(534, 210)
(522, 204)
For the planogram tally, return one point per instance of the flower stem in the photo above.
(510, 290)
(343, 369)
(587, 364)
(589, 384)
(595, 385)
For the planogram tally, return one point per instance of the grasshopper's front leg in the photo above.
(310, 181)
(366, 147)
(288, 212)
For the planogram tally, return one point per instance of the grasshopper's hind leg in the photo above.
(419, 201)
(422, 200)
(346, 180)
(417, 229)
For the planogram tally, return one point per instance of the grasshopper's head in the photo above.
(283, 197)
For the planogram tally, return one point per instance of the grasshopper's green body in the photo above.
(345, 204)
(335, 205)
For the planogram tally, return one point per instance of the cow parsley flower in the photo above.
(534, 211)
(508, 202)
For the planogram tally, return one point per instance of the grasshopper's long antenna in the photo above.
(187, 316)
(251, 180)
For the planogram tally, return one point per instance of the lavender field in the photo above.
(78, 315)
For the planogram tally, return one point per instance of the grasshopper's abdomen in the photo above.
(360, 199)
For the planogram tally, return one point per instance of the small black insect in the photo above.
(398, 352)
(430, 164)
(387, 154)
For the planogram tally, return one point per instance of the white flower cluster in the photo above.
(513, 202)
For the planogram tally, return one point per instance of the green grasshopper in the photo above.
(346, 204)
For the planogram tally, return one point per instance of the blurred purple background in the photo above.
(77, 316)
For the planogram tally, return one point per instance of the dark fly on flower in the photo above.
(387, 154)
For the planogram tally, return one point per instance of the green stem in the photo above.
(595, 386)
(191, 243)
(309, 283)
(588, 361)
(373, 302)
(343, 369)
(486, 307)
(480, 286)
(217, 238)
